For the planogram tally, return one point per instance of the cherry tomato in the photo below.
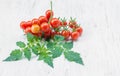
(74, 35)
(42, 19)
(61, 23)
(23, 25)
(65, 23)
(35, 21)
(48, 33)
(55, 23)
(27, 30)
(72, 24)
(35, 28)
(49, 13)
(66, 34)
(45, 27)
(38, 34)
(29, 24)
(57, 33)
(80, 30)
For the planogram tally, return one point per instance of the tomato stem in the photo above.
(51, 12)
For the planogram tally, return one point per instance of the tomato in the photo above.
(72, 24)
(27, 30)
(57, 33)
(49, 13)
(23, 25)
(80, 30)
(45, 27)
(74, 35)
(55, 23)
(38, 34)
(66, 34)
(35, 28)
(35, 21)
(48, 33)
(64, 23)
(61, 23)
(42, 19)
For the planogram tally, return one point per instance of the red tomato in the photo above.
(55, 23)
(66, 34)
(45, 27)
(38, 34)
(72, 24)
(74, 35)
(23, 25)
(65, 23)
(42, 19)
(61, 23)
(27, 30)
(29, 23)
(49, 13)
(35, 28)
(35, 21)
(57, 33)
(48, 33)
(80, 30)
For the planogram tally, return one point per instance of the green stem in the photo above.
(51, 16)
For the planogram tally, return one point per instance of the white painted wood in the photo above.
(99, 45)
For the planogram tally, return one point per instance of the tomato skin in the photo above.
(49, 13)
(55, 23)
(80, 30)
(27, 30)
(35, 28)
(74, 35)
(42, 19)
(35, 21)
(66, 34)
(23, 25)
(45, 27)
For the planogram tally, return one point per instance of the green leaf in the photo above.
(41, 57)
(49, 61)
(50, 45)
(56, 52)
(73, 56)
(20, 44)
(68, 45)
(30, 37)
(58, 38)
(14, 55)
(35, 50)
(27, 53)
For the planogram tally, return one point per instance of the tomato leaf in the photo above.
(73, 57)
(27, 53)
(35, 50)
(68, 45)
(14, 55)
(50, 45)
(30, 37)
(20, 44)
(56, 52)
(49, 61)
(41, 57)
(58, 38)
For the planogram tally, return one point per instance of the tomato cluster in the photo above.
(47, 26)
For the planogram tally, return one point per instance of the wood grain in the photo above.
(99, 45)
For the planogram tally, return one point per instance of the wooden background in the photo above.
(99, 45)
